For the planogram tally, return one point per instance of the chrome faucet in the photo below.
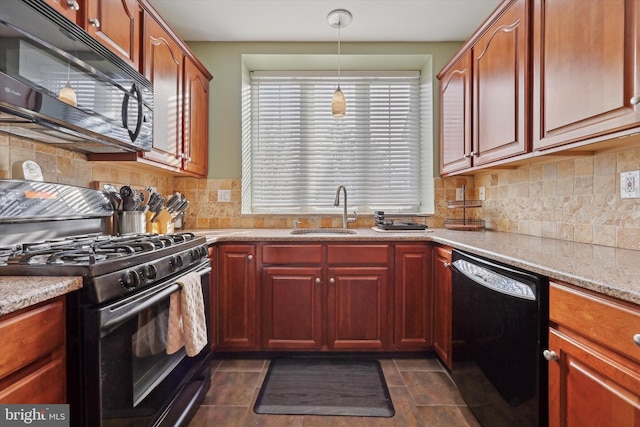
(345, 216)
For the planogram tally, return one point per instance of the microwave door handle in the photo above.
(125, 112)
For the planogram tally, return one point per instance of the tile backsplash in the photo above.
(574, 199)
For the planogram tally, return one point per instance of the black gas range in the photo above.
(119, 371)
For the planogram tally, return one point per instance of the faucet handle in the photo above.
(296, 223)
(354, 218)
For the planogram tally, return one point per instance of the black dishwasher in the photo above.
(499, 325)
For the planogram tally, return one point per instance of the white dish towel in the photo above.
(187, 321)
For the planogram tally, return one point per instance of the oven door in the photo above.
(128, 377)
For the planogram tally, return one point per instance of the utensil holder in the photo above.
(130, 222)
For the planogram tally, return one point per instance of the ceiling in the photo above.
(306, 20)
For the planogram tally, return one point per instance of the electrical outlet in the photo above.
(481, 193)
(630, 185)
(224, 195)
(459, 194)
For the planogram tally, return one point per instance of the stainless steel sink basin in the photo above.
(323, 231)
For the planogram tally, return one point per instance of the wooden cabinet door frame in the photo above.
(292, 302)
(586, 59)
(117, 25)
(237, 297)
(501, 87)
(196, 121)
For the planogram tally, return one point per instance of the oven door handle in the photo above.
(140, 306)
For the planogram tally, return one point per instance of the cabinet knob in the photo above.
(332, 280)
(635, 100)
(94, 22)
(318, 281)
(550, 355)
(73, 5)
(249, 257)
(466, 156)
(447, 265)
(636, 339)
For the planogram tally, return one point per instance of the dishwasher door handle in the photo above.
(495, 281)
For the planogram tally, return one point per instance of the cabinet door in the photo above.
(163, 66)
(292, 308)
(412, 326)
(72, 9)
(357, 308)
(585, 62)
(237, 306)
(588, 389)
(442, 303)
(116, 24)
(196, 121)
(500, 59)
(455, 116)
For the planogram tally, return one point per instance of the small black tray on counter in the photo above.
(399, 221)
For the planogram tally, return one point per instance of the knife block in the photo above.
(163, 224)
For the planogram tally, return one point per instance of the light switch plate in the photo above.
(224, 195)
(630, 185)
(482, 195)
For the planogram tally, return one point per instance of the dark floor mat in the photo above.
(325, 386)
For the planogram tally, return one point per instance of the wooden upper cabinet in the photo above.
(485, 94)
(196, 120)
(455, 117)
(585, 69)
(116, 24)
(500, 87)
(163, 66)
(72, 9)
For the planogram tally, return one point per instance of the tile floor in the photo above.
(421, 391)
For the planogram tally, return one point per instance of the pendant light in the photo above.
(339, 19)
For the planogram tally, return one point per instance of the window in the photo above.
(295, 154)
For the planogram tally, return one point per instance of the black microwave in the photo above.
(60, 86)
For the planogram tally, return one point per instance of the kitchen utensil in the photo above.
(114, 196)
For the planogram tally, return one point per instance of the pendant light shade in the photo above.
(338, 104)
(68, 95)
(339, 18)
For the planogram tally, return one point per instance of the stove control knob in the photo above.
(130, 280)
(176, 262)
(150, 272)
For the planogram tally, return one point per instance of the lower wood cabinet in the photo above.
(594, 360)
(413, 297)
(323, 296)
(33, 356)
(236, 319)
(292, 308)
(442, 303)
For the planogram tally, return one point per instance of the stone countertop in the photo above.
(607, 270)
(610, 271)
(17, 292)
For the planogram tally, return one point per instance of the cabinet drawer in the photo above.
(358, 254)
(30, 334)
(45, 385)
(603, 320)
(292, 254)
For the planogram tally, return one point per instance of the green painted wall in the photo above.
(224, 61)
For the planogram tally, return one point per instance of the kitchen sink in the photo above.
(323, 231)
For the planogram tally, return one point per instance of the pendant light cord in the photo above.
(339, 26)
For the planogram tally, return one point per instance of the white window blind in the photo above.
(300, 154)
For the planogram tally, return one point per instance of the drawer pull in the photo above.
(550, 355)
(636, 339)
